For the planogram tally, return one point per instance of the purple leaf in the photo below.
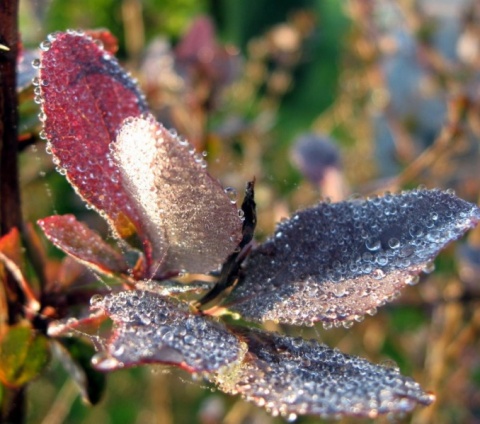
(292, 376)
(336, 262)
(186, 212)
(150, 328)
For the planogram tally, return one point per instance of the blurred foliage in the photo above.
(394, 84)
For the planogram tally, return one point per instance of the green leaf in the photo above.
(24, 353)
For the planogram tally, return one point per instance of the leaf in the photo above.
(11, 248)
(75, 355)
(79, 241)
(186, 212)
(24, 353)
(85, 97)
(292, 376)
(11, 257)
(336, 262)
(150, 328)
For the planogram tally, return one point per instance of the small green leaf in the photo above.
(24, 353)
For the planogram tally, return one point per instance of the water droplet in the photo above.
(96, 299)
(36, 63)
(45, 45)
(231, 194)
(291, 417)
(182, 141)
(429, 268)
(104, 362)
(394, 243)
(412, 280)
(378, 274)
(416, 231)
(382, 259)
(372, 244)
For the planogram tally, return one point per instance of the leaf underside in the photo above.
(86, 95)
(186, 212)
(84, 244)
(292, 376)
(336, 262)
(150, 328)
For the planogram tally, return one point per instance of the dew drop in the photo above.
(292, 417)
(182, 141)
(327, 325)
(394, 243)
(372, 244)
(36, 63)
(45, 45)
(412, 280)
(231, 194)
(378, 274)
(103, 361)
(429, 268)
(96, 299)
(416, 231)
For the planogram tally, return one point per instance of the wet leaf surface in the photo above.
(84, 244)
(186, 212)
(337, 262)
(292, 376)
(150, 328)
(85, 96)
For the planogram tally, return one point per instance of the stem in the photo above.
(10, 215)
(12, 409)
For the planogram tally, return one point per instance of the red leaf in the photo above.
(11, 247)
(79, 241)
(86, 96)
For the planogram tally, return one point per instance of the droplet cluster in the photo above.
(337, 262)
(152, 328)
(85, 95)
(292, 376)
(189, 217)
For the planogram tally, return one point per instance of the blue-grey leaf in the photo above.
(150, 328)
(337, 262)
(292, 376)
